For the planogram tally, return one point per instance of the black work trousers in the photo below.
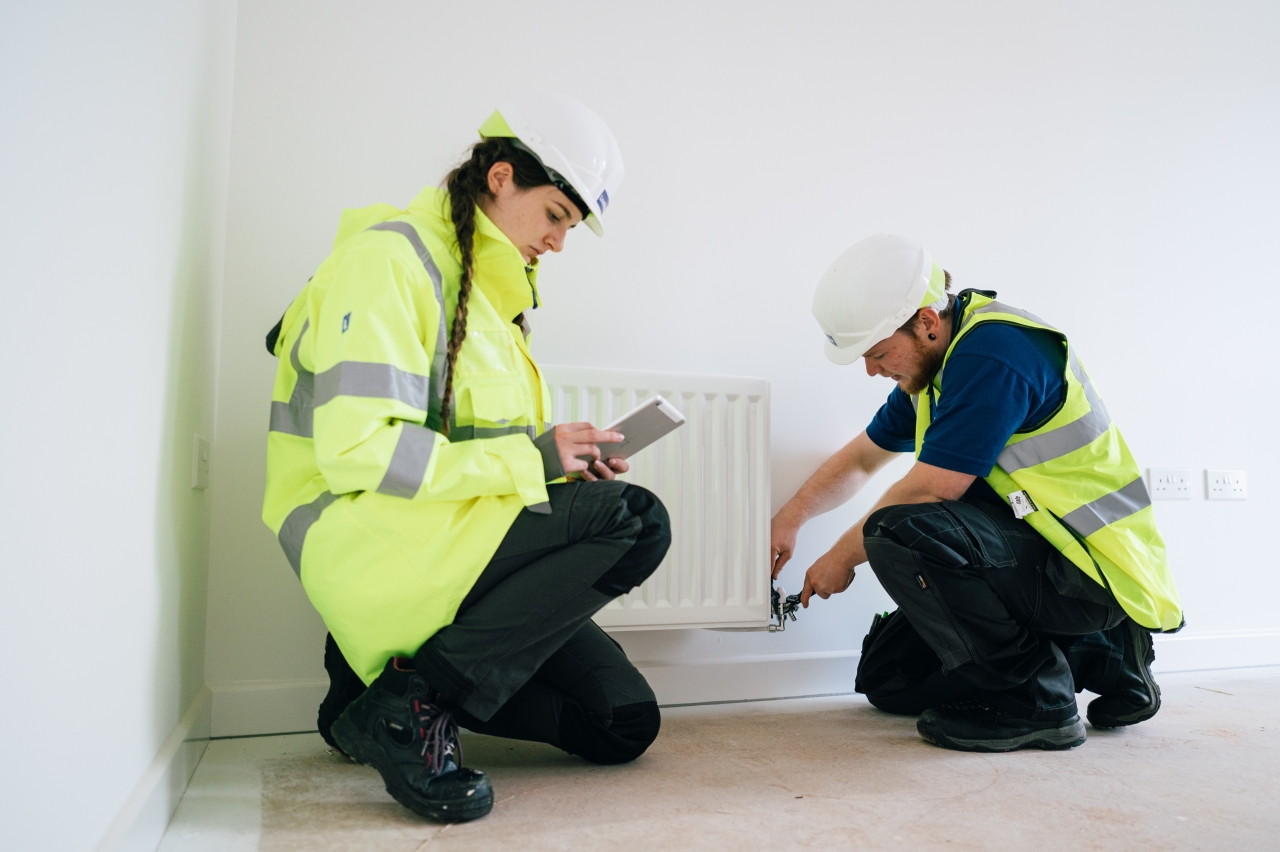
(522, 658)
(988, 610)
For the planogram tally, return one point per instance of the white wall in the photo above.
(114, 127)
(1109, 166)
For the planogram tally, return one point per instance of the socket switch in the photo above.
(1169, 483)
(1226, 485)
(200, 463)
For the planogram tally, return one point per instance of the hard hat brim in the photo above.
(843, 355)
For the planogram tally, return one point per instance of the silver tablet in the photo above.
(641, 426)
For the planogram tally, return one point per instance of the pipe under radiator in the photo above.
(713, 476)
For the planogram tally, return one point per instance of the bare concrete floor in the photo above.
(830, 773)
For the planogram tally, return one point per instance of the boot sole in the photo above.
(365, 750)
(1051, 739)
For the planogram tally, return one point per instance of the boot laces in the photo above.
(438, 731)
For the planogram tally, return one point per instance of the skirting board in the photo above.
(1226, 649)
(141, 822)
(250, 708)
(271, 707)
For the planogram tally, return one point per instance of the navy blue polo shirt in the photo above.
(1000, 379)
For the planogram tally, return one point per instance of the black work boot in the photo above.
(345, 686)
(1136, 696)
(399, 729)
(976, 726)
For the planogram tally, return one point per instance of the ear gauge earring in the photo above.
(933, 337)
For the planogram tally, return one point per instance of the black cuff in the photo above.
(552, 467)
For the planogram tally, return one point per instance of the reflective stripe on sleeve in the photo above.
(409, 460)
(440, 359)
(293, 532)
(468, 433)
(295, 417)
(362, 378)
(1109, 508)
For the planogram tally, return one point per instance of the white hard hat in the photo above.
(573, 143)
(871, 290)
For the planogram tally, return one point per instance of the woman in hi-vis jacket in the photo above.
(420, 495)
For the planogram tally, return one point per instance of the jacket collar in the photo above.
(500, 271)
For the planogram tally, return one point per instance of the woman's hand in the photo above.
(581, 439)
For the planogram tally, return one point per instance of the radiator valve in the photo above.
(784, 606)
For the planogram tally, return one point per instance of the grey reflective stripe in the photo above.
(1002, 308)
(282, 419)
(1076, 435)
(1109, 508)
(362, 378)
(441, 357)
(915, 401)
(467, 433)
(293, 532)
(408, 465)
(295, 416)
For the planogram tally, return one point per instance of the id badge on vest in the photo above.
(1022, 504)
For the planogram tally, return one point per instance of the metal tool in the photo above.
(783, 606)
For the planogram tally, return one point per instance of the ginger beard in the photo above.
(930, 359)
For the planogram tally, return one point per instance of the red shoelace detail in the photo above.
(439, 734)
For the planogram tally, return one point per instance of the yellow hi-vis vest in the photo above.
(387, 522)
(1091, 503)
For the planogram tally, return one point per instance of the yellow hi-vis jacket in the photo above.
(387, 522)
(1085, 486)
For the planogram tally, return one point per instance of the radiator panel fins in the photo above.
(713, 476)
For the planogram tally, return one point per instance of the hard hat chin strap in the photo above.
(557, 179)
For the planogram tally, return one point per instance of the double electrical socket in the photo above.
(1225, 485)
(1174, 483)
(1169, 483)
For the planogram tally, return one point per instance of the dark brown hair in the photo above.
(944, 314)
(465, 185)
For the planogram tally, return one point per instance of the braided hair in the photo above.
(466, 185)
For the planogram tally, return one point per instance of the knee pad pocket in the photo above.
(632, 731)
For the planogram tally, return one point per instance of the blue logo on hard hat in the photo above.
(603, 201)
(833, 341)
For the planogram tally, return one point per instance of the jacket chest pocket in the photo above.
(491, 410)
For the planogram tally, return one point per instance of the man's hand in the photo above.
(782, 540)
(581, 439)
(830, 575)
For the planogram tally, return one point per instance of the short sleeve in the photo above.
(894, 426)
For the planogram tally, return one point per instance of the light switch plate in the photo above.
(1169, 483)
(1226, 485)
(199, 462)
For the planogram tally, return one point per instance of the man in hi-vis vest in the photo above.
(1020, 547)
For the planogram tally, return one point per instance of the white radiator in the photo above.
(713, 476)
